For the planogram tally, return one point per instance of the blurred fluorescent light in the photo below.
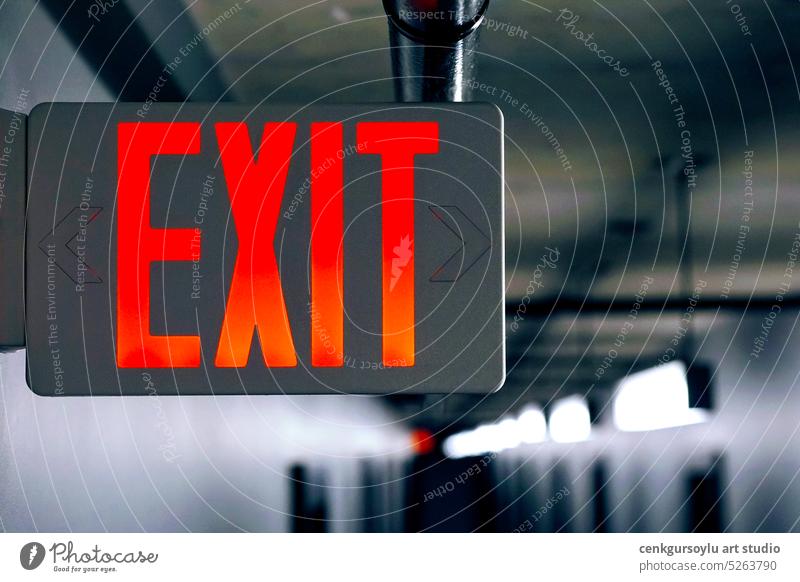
(654, 399)
(649, 400)
(532, 426)
(487, 438)
(508, 435)
(570, 421)
(468, 443)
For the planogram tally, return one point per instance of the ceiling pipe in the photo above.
(434, 44)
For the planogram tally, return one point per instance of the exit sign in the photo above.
(224, 249)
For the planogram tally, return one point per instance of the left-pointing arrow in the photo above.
(67, 244)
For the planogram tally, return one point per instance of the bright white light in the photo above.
(656, 398)
(487, 438)
(509, 433)
(570, 421)
(457, 445)
(532, 426)
(469, 443)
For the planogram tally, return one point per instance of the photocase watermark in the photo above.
(328, 163)
(537, 120)
(510, 30)
(183, 52)
(679, 116)
(738, 15)
(548, 260)
(402, 254)
(684, 324)
(81, 238)
(627, 327)
(52, 321)
(548, 505)
(760, 341)
(744, 225)
(167, 448)
(99, 8)
(505, 97)
(206, 192)
(569, 20)
(331, 349)
(449, 486)
(423, 15)
(32, 555)
(95, 559)
(16, 124)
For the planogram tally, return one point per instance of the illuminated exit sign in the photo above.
(199, 249)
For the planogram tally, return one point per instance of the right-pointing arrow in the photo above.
(473, 244)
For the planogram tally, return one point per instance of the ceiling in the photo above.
(613, 213)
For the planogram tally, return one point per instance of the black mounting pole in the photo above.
(433, 47)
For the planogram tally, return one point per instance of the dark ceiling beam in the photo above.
(115, 45)
(623, 305)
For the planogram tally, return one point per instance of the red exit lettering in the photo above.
(256, 183)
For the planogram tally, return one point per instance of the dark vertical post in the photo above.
(433, 47)
(13, 156)
(706, 500)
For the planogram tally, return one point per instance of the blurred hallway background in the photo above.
(653, 217)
